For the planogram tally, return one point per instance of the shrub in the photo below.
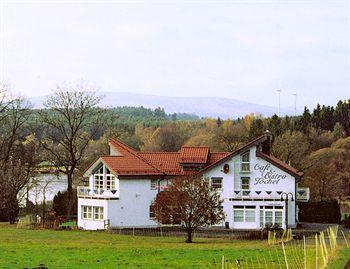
(60, 203)
(320, 212)
(347, 223)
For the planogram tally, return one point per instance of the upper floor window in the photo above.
(216, 183)
(245, 185)
(154, 184)
(98, 178)
(245, 162)
(98, 181)
(152, 214)
(110, 180)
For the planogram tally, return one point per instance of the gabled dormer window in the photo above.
(98, 178)
(245, 162)
(110, 180)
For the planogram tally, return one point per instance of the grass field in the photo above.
(21, 248)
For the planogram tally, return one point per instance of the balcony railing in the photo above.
(302, 195)
(96, 193)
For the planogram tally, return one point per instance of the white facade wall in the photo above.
(132, 208)
(232, 182)
(92, 224)
(135, 196)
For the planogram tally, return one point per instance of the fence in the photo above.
(34, 222)
(166, 231)
(314, 252)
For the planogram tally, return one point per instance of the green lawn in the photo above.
(21, 248)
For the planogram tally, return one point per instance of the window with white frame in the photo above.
(245, 186)
(86, 212)
(98, 213)
(110, 180)
(270, 215)
(152, 215)
(154, 184)
(98, 178)
(216, 183)
(244, 213)
(245, 162)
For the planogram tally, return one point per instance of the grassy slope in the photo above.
(82, 249)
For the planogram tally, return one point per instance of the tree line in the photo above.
(71, 130)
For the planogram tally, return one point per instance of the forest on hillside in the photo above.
(72, 131)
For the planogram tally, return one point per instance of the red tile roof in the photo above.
(194, 155)
(129, 162)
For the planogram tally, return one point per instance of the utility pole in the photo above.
(279, 102)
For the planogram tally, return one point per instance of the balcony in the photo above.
(303, 194)
(86, 192)
(256, 195)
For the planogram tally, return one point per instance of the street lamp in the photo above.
(285, 198)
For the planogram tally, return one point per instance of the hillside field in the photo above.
(21, 248)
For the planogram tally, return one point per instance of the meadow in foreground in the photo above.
(21, 248)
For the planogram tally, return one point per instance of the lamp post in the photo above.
(285, 198)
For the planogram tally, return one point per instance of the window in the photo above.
(154, 184)
(86, 212)
(151, 212)
(98, 213)
(245, 162)
(238, 214)
(244, 213)
(98, 178)
(98, 181)
(110, 182)
(216, 183)
(278, 218)
(250, 214)
(270, 215)
(245, 185)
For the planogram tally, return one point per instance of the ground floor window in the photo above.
(98, 213)
(152, 215)
(92, 212)
(86, 212)
(271, 215)
(244, 213)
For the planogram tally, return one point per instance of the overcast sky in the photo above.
(238, 49)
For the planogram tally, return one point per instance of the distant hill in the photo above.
(201, 106)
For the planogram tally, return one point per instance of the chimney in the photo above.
(266, 146)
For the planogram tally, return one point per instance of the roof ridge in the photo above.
(158, 152)
(122, 144)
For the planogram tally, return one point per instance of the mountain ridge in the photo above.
(203, 106)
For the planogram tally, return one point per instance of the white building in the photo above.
(253, 184)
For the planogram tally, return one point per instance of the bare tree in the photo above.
(189, 201)
(16, 173)
(17, 153)
(71, 121)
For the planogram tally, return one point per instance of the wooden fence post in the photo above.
(285, 256)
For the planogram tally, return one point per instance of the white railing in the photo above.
(96, 193)
(247, 194)
(303, 194)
